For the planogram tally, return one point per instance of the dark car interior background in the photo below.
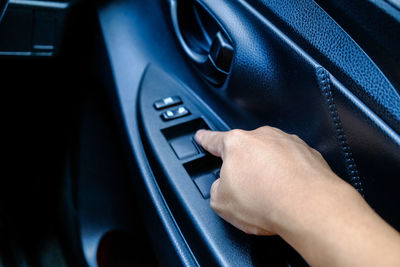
(102, 99)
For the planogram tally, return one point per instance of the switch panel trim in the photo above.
(179, 179)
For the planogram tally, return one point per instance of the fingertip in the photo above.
(211, 141)
(199, 136)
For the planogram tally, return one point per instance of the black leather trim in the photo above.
(325, 85)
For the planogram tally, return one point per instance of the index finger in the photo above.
(212, 141)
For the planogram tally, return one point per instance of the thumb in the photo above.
(214, 193)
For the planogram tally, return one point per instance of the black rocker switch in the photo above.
(184, 147)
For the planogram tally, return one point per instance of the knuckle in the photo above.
(317, 153)
(234, 137)
(296, 137)
(267, 128)
(237, 133)
(269, 131)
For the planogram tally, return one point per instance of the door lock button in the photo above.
(167, 102)
(175, 113)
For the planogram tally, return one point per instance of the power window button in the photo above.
(184, 147)
(167, 102)
(175, 113)
(204, 183)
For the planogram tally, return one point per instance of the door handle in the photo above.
(202, 39)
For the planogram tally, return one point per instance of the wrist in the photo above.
(324, 221)
(315, 209)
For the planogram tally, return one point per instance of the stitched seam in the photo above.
(324, 82)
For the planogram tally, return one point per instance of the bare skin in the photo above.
(274, 183)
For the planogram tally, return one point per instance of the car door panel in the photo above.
(293, 67)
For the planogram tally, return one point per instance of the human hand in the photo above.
(266, 175)
(272, 182)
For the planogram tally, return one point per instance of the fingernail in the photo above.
(214, 186)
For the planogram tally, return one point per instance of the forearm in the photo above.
(338, 228)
